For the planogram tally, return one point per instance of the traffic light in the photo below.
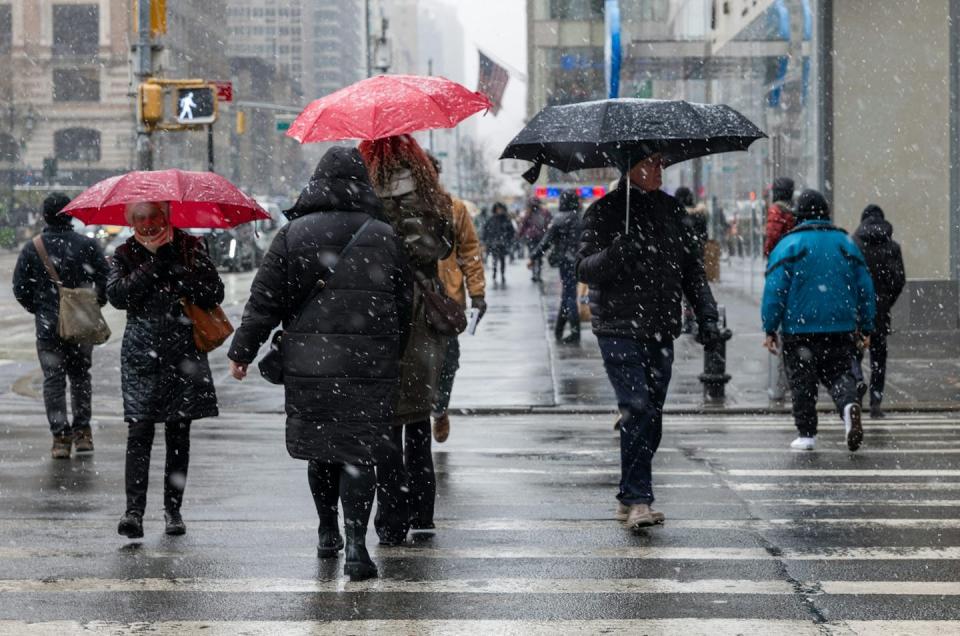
(241, 122)
(196, 105)
(151, 103)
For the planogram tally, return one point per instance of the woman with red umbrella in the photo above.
(421, 212)
(164, 377)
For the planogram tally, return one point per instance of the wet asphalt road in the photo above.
(758, 539)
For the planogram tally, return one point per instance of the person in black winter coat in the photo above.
(341, 345)
(874, 237)
(79, 262)
(498, 235)
(637, 275)
(164, 377)
(563, 240)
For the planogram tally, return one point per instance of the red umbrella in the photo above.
(197, 199)
(385, 106)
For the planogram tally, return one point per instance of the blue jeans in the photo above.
(569, 313)
(639, 371)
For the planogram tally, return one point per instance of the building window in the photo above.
(76, 85)
(77, 144)
(9, 148)
(76, 29)
(576, 9)
(6, 28)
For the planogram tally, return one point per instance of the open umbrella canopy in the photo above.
(385, 106)
(197, 199)
(620, 132)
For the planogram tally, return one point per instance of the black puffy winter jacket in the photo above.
(874, 237)
(637, 279)
(341, 350)
(562, 238)
(79, 262)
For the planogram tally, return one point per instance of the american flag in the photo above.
(493, 81)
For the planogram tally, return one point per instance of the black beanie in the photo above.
(685, 196)
(872, 212)
(782, 189)
(812, 205)
(52, 206)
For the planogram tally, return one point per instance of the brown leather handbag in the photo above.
(211, 327)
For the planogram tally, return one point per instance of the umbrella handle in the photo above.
(626, 229)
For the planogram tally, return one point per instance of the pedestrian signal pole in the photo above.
(143, 68)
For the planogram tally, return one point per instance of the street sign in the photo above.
(224, 91)
(196, 105)
(284, 122)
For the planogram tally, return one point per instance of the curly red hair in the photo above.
(385, 156)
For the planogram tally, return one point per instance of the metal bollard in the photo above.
(715, 376)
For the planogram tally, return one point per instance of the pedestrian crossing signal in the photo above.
(196, 105)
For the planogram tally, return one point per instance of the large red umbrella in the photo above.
(385, 106)
(197, 199)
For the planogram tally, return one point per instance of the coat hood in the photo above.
(339, 184)
(874, 230)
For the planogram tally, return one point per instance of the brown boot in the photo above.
(659, 517)
(441, 428)
(61, 447)
(83, 440)
(623, 511)
(640, 516)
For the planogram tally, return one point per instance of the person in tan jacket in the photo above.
(462, 274)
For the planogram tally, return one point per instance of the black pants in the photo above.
(537, 268)
(406, 484)
(60, 360)
(499, 262)
(354, 485)
(139, 444)
(819, 358)
(569, 312)
(878, 366)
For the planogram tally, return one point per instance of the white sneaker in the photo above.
(853, 426)
(804, 443)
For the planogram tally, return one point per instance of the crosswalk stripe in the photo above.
(842, 472)
(475, 586)
(612, 627)
(615, 451)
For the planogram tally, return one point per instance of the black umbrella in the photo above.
(620, 132)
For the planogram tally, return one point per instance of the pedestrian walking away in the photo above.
(697, 223)
(562, 240)
(498, 236)
(462, 274)
(533, 227)
(165, 378)
(818, 292)
(334, 277)
(421, 213)
(637, 275)
(884, 259)
(78, 262)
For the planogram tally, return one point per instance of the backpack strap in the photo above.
(45, 257)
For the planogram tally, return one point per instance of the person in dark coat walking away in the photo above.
(79, 262)
(637, 276)
(498, 236)
(562, 241)
(780, 216)
(340, 345)
(533, 227)
(421, 213)
(696, 221)
(874, 237)
(818, 292)
(164, 377)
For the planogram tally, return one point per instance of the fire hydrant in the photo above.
(715, 376)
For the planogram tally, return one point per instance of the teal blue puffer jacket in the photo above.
(817, 282)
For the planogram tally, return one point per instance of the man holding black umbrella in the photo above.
(639, 260)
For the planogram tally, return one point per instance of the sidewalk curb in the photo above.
(926, 407)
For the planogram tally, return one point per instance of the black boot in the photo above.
(331, 542)
(357, 565)
(175, 524)
(131, 525)
(558, 330)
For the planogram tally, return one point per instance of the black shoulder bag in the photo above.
(271, 365)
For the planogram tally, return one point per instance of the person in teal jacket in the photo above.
(819, 294)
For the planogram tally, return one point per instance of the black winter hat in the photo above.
(569, 200)
(783, 189)
(872, 211)
(52, 206)
(685, 196)
(812, 205)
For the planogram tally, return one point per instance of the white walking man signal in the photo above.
(186, 107)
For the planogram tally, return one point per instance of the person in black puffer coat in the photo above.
(164, 378)
(874, 237)
(79, 262)
(637, 274)
(563, 241)
(341, 348)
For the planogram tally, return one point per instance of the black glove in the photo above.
(478, 302)
(709, 333)
(178, 278)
